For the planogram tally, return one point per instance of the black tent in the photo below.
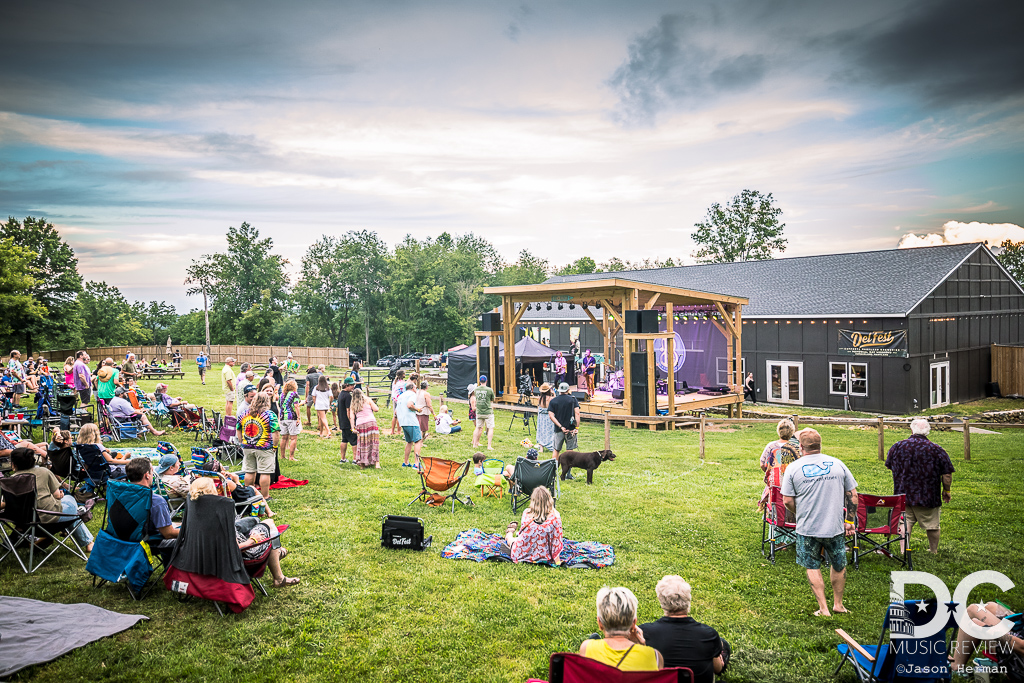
(462, 364)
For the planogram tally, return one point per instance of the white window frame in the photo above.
(847, 379)
(722, 370)
(768, 379)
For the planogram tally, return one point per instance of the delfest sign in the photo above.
(881, 344)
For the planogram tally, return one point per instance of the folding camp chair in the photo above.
(226, 442)
(879, 516)
(440, 475)
(206, 562)
(528, 475)
(243, 506)
(778, 528)
(121, 552)
(491, 482)
(21, 526)
(893, 660)
(119, 428)
(565, 667)
(97, 471)
(66, 414)
(175, 503)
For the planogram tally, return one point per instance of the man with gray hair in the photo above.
(681, 639)
(920, 469)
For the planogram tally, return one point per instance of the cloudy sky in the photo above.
(144, 130)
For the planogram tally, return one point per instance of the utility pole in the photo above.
(206, 313)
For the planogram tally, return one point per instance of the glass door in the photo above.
(785, 382)
(939, 384)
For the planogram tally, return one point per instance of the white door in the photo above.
(785, 382)
(939, 384)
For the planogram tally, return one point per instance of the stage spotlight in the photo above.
(572, 306)
(559, 306)
(549, 305)
(528, 307)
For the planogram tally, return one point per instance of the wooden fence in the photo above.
(304, 355)
(1008, 369)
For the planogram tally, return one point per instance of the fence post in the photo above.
(607, 429)
(702, 436)
(881, 439)
(967, 439)
(796, 422)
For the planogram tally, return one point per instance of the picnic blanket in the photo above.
(138, 452)
(34, 632)
(479, 546)
(287, 483)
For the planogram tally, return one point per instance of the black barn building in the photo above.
(806, 331)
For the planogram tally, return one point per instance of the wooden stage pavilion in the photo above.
(615, 296)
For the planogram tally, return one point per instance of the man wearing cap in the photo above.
(291, 366)
(227, 382)
(484, 413)
(168, 470)
(564, 413)
(201, 364)
(348, 435)
(121, 409)
(248, 394)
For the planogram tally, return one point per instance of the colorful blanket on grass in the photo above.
(479, 546)
(138, 452)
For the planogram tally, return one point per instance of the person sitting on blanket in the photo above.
(623, 645)
(251, 536)
(540, 538)
(444, 424)
(681, 639)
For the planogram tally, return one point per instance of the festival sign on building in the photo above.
(881, 344)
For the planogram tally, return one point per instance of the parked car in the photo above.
(385, 361)
(353, 357)
(409, 359)
(432, 360)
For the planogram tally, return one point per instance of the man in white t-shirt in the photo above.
(819, 489)
(406, 412)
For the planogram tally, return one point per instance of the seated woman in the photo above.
(444, 424)
(252, 537)
(623, 644)
(540, 538)
(91, 449)
(49, 495)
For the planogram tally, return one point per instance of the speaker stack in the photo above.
(641, 322)
(638, 382)
(490, 322)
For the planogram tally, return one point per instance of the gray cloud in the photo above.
(673, 65)
(946, 51)
(520, 15)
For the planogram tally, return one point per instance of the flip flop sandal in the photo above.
(511, 527)
(283, 553)
(286, 582)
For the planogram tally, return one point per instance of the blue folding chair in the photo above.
(121, 552)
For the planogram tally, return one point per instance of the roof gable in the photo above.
(870, 283)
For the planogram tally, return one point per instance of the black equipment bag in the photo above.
(403, 533)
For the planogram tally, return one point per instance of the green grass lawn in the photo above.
(369, 614)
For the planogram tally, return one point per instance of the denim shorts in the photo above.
(808, 551)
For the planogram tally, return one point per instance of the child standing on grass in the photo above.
(322, 403)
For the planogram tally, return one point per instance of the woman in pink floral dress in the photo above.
(540, 536)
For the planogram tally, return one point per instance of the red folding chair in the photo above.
(778, 529)
(573, 668)
(878, 517)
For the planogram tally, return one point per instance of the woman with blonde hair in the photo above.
(784, 450)
(69, 371)
(540, 536)
(361, 416)
(253, 537)
(623, 645)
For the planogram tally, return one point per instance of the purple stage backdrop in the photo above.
(700, 358)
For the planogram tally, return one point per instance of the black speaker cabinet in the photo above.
(641, 322)
(485, 365)
(638, 382)
(490, 322)
(580, 396)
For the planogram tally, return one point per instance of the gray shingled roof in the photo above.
(890, 282)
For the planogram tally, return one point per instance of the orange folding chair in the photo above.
(438, 475)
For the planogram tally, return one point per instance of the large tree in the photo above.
(324, 294)
(158, 317)
(56, 284)
(17, 305)
(107, 318)
(745, 229)
(1012, 258)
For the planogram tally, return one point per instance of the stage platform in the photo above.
(602, 401)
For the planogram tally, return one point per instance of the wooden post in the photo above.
(417, 366)
(702, 436)
(967, 439)
(796, 422)
(627, 375)
(607, 429)
(881, 439)
(652, 385)
(670, 362)
(508, 334)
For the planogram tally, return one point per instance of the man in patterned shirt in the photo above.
(919, 467)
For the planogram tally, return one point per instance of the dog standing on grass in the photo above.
(585, 461)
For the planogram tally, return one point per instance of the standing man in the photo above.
(406, 411)
(241, 382)
(484, 413)
(589, 368)
(129, 371)
(17, 372)
(275, 372)
(564, 412)
(83, 378)
(560, 367)
(177, 359)
(348, 434)
(816, 487)
(227, 382)
(291, 367)
(425, 403)
(919, 467)
(312, 379)
(201, 364)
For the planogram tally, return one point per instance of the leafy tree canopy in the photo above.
(745, 229)
(107, 318)
(17, 305)
(1012, 258)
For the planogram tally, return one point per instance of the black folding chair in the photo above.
(22, 528)
(530, 474)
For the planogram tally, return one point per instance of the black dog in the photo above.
(584, 461)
